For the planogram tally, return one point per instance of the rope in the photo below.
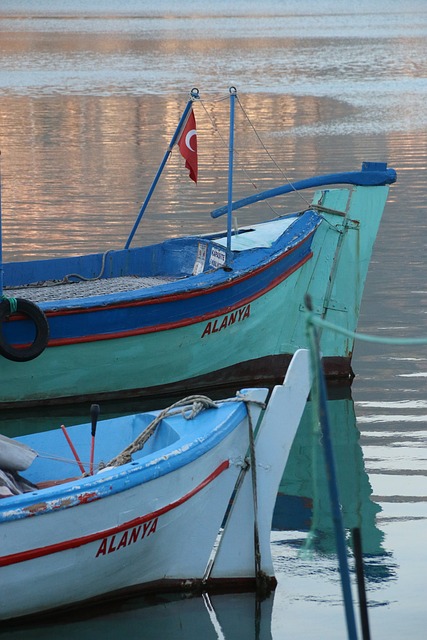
(319, 402)
(79, 277)
(13, 303)
(198, 404)
(189, 408)
(237, 152)
(262, 580)
(66, 279)
(308, 547)
(283, 174)
(315, 320)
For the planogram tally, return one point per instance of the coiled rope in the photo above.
(188, 407)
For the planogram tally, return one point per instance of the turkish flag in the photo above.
(187, 144)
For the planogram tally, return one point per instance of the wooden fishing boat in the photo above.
(193, 312)
(162, 504)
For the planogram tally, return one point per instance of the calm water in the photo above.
(91, 92)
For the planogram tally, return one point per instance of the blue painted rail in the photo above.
(373, 174)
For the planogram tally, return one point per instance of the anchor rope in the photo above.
(261, 578)
(267, 203)
(283, 174)
(236, 150)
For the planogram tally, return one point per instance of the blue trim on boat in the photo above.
(193, 439)
(187, 301)
(372, 174)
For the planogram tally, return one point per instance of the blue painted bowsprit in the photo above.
(372, 174)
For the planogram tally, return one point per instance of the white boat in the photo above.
(180, 499)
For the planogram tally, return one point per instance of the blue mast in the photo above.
(233, 94)
(319, 394)
(194, 96)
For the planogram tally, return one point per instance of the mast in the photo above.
(233, 95)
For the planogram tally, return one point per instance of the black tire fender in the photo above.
(34, 313)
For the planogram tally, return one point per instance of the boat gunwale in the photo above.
(188, 448)
(185, 286)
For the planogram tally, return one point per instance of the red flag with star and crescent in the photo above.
(187, 144)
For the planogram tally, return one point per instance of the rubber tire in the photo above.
(32, 311)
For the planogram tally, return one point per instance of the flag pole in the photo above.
(233, 94)
(194, 95)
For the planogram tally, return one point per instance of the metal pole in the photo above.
(233, 94)
(360, 573)
(332, 478)
(194, 96)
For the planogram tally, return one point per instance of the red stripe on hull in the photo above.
(59, 342)
(172, 297)
(40, 552)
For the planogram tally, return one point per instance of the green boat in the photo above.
(193, 312)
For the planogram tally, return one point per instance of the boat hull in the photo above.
(155, 534)
(130, 365)
(221, 331)
(55, 554)
(168, 515)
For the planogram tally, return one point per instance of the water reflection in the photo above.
(219, 617)
(303, 502)
(89, 104)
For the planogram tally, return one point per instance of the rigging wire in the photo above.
(263, 146)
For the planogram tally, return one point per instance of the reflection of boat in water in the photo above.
(303, 502)
(218, 617)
